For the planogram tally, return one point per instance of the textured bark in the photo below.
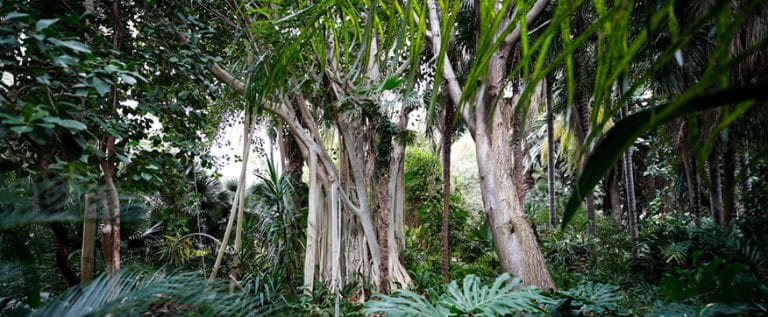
(446, 144)
(550, 156)
(582, 111)
(110, 230)
(613, 196)
(383, 228)
(89, 239)
(716, 189)
(514, 239)
(62, 254)
(629, 186)
(729, 183)
(310, 253)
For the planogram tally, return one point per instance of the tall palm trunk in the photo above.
(628, 169)
(582, 111)
(550, 155)
(446, 143)
(729, 183)
(716, 189)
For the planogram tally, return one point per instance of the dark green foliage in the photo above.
(278, 231)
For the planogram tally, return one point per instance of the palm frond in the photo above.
(129, 293)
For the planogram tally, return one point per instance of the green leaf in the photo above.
(14, 15)
(102, 87)
(66, 123)
(391, 83)
(128, 79)
(44, 24)
(72, 45)
(619, 138)
(22, 129)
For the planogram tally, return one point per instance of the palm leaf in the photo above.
(619, 138)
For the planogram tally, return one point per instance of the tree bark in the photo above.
(716, 189)
(446, 142)
(550, 156)
(89, 239)
(729, 183)
(110, 231)
(310, 253)
(383, 228)
(613, 195)
(582, 111)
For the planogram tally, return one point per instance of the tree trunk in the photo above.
(550, 156)
(447, 133)
(716, 189)
(383, 228)
(110, 231)
(582, 111)
(729, 183)
(89, 239)
(239, 195)
(613, 195)
(310, 253)
(515, 242)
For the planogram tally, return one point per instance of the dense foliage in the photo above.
(622, 141)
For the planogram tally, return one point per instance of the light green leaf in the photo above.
(102, 87)
(21, 129)
(14, 15)
(45, 23)
(128, 79)
(66, 123)
(73, 45)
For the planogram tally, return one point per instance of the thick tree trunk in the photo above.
(446, 144)
(516, 245)
(550, 156)
(716, 189)
(110, 231)
(89, 239)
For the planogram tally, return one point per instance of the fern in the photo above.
(135, 294)
(504, 297)
(595, 298)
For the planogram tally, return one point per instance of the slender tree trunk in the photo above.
(312, 213)
(550, 156)
(89, 239)
(716, 189)
(583, 112)
(614, 197)
(448, 114)
(628, 169)
(52, 192)
(729, 183)
(383, 228)
(239, 195)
